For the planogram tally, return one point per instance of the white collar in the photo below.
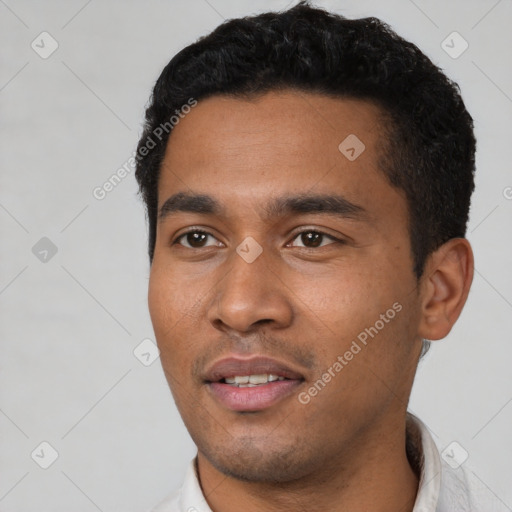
(430, 474)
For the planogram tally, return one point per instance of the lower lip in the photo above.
(252, 399)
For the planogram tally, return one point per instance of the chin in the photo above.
(244, 460)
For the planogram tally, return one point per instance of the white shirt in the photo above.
(441, 488)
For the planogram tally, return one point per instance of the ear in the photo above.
(445, 287)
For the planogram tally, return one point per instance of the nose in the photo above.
(250, 294)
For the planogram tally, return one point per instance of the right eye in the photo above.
(194, 239)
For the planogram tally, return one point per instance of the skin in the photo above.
(345, 449)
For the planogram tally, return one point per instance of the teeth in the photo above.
(258, 379)
(250, 381)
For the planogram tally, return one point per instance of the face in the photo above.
(282, 255)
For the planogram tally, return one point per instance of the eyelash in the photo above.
(336, 240)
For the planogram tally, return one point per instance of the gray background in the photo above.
(69, 324)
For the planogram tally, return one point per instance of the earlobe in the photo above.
(445, 287)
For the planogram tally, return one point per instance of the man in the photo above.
(307, 180)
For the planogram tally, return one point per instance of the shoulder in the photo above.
(461, 489)
(444, 487)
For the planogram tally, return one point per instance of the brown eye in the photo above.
(193, 239)
(313, 239)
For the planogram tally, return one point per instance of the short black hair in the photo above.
(429, 149)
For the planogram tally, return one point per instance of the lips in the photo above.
(253, 384)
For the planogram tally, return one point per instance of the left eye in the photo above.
(312, 239)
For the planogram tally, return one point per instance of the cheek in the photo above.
(363, 305)
(160, 301)
(342, 301)
(170, 309)
(173, 315)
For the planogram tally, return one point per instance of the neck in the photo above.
(374, 473)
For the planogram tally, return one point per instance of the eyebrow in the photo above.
(333, 204)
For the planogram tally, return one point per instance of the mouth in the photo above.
(253, 384)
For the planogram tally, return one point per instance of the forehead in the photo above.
(276, 143)
(224, 127)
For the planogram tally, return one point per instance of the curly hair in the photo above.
(429, 148)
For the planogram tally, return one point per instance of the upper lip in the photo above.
(257, 365)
